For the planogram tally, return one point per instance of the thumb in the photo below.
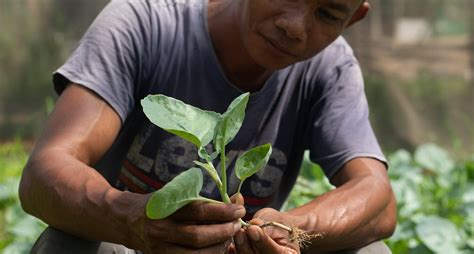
(237, 198)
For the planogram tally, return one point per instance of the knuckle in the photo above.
(156, 231)
(199, 210)
(196, 240)
(229, 229)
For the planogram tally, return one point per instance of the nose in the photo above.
(294, 23)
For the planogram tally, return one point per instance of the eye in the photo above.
(327, 16)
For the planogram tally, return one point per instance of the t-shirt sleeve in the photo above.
(109, 59)
(340, 130)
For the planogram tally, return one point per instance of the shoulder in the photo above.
(334, 61)
(155, 12)
(339, 47)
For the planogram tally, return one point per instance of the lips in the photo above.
(278, 47)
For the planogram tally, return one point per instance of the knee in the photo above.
(54, 241)
(378, 247)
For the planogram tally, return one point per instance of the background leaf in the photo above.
(439, 235)
(434, 158)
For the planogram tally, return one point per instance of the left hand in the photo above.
(268, 240)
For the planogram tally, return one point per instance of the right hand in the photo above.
(199, 226)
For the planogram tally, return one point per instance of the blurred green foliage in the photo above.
(18, 231)
(435, 200)
(422, 110)
(31, 46)
(36, 38)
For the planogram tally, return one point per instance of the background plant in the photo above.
(435, 200)
(18, 231)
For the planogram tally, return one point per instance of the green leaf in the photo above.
(434, 158)
(180, 191)
(252, 161)
(438, 234)
(188, 122)
(230, 122)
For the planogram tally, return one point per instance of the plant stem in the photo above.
(244, 224)
(278, 225)
(223, 190)
(224, 196)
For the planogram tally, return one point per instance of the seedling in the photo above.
(202, 127)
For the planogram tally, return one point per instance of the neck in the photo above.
(239, 67)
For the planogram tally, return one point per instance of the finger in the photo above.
(200, 236)
(231, 249)
(263, 244)
(237, 198)
(201, 212)
(242, 243)
(256, 222)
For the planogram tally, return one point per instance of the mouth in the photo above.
(277, 48)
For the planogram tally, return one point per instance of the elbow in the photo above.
(25, 191)
(388, 222)
(387, 228)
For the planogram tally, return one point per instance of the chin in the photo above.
(269, 61)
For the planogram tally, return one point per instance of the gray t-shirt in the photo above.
(140, 47)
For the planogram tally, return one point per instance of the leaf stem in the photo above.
(209, 200)
(209, 167)
(240, 186)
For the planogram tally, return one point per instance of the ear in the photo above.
(359, 14)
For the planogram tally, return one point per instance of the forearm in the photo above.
(67, 194)
(357, 213)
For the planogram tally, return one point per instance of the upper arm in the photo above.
(361, 167)
(113, 57)
(82, 124)
(340, 128)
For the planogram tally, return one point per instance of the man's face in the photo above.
(278, 33)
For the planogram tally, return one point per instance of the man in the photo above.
(91, 172)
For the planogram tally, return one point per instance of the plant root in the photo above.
(296, 235)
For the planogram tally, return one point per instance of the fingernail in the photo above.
(254, 235)
(237, 226)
